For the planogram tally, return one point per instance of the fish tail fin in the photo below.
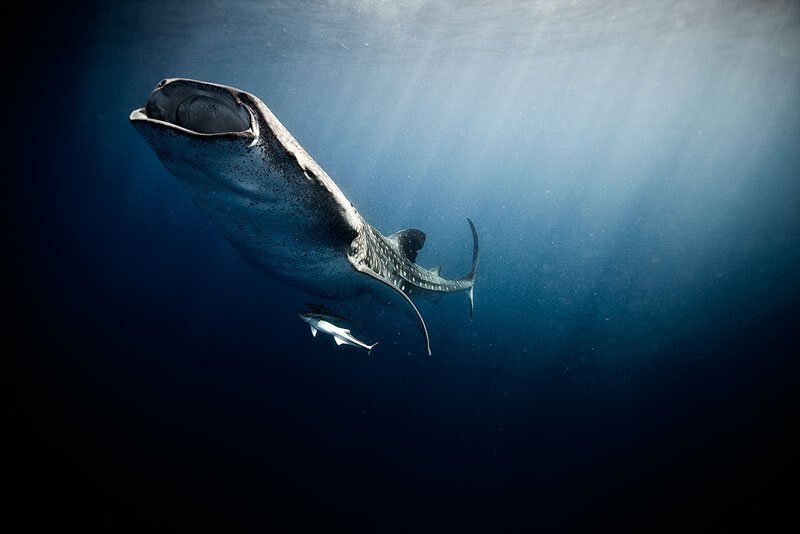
(475, 252)
(471, 275)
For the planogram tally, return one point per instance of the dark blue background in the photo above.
(631, 356)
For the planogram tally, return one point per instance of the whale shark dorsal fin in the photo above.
(408, 242)
(437, 270)
(313, 331)
(339, 341)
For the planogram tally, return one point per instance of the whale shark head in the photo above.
(198, 129)
(214, 136)
(198, 109)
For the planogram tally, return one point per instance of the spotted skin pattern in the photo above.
(383, 258)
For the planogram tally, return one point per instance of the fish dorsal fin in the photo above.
(317, 308)
(437, 270)
(408, 242)
(339, 341)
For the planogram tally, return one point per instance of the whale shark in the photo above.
(278, 207)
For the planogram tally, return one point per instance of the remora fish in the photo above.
(276, 205)
(322, 322)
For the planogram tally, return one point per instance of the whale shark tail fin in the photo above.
(370, 347)
(471, 275)
(475, 251)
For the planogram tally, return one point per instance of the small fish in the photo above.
(321, 322)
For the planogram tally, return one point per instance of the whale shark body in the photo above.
(277, 206)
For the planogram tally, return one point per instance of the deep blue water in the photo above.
(633, 169)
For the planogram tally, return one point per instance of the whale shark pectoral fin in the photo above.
(366, 270)
(313, 331)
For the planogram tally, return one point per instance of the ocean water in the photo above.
(633, 170)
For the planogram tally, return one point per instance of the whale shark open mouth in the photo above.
(198, 108)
